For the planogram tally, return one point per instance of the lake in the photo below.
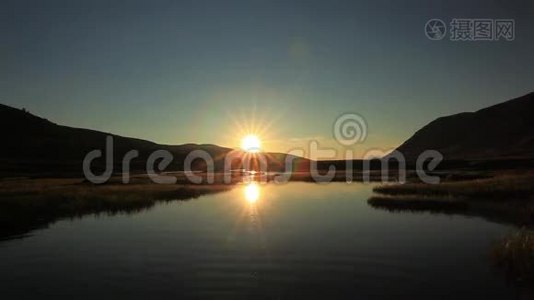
(267, 241)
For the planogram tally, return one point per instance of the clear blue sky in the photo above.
(187, 71)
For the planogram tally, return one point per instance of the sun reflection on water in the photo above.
(252, 192)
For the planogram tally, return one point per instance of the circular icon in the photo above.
(350, 129)
(435, 29)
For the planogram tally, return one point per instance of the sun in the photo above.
(251, 143)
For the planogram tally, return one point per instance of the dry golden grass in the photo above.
(505, 198)
(77, 186)
(503, 187)
(30, 203)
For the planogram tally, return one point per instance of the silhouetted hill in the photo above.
(502, 131)
(33, 145)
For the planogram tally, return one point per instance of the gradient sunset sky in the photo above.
(176, 72)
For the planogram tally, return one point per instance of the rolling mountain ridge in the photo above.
(501, 131)
(33, 145)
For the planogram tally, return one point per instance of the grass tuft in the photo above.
(515, 254)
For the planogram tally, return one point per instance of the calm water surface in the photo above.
(267, 241)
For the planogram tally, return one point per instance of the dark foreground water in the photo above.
(262, 241)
